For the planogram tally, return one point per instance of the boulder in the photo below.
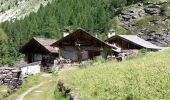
(152, 10)
(132, 13)
(155, 2)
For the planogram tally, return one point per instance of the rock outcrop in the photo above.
(152, 9)
(148, 22)
(67, 92)
(132, 13)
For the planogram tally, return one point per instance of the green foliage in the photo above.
(118, 27)
(3, 91)
(164, 9)
(50, 21)
(144, 21)
(142, 78)
(3, 36)
(122, 31)
(135, 1)
(58, 95)
(118, 3)
(89, 63)
(143, 51)
(7, 53)
(100, 60)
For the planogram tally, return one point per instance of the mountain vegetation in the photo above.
(8, 54)
(96, 16)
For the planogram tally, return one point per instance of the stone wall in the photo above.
(67, 92)
(10, 77)
(69, 52)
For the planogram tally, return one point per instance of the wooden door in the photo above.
(92, 54)
(30, 58)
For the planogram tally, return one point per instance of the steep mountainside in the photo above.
(16, 9)
(151, 21)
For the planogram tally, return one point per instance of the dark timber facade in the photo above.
(80, 45)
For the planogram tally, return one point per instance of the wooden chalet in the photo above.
(40, 49)
(130, 42)
(129, 46)
(81, 45)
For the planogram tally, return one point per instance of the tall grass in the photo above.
(28, 83)
(3, 91)
(147, 77)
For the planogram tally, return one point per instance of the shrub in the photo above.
(143, 51)
(100, 59)
(164, 9)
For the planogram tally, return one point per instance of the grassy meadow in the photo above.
(28, 83)
(3, 90)
(47, 91)
(146, 77)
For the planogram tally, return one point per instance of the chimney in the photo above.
(111, 33)
(66, 32)
(96, 36)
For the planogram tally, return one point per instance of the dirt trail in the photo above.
(21, 97)
(36, 90)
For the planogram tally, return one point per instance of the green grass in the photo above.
(47, 91)
(145, 20)
(58, 95)
(146, 77)
(3, 90)
(30, 82)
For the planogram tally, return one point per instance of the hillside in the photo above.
(147, 18)
(143, 78)
(16, 9)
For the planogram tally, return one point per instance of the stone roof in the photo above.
(139, 41)
(46, 43)
(43, 42)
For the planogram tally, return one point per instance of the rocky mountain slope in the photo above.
(16, 9)
(150, 21)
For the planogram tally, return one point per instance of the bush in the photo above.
(143, 51)
(100, 59)
(89, 63)
(164, 9)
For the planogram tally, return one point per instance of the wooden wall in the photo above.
(124, 44)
